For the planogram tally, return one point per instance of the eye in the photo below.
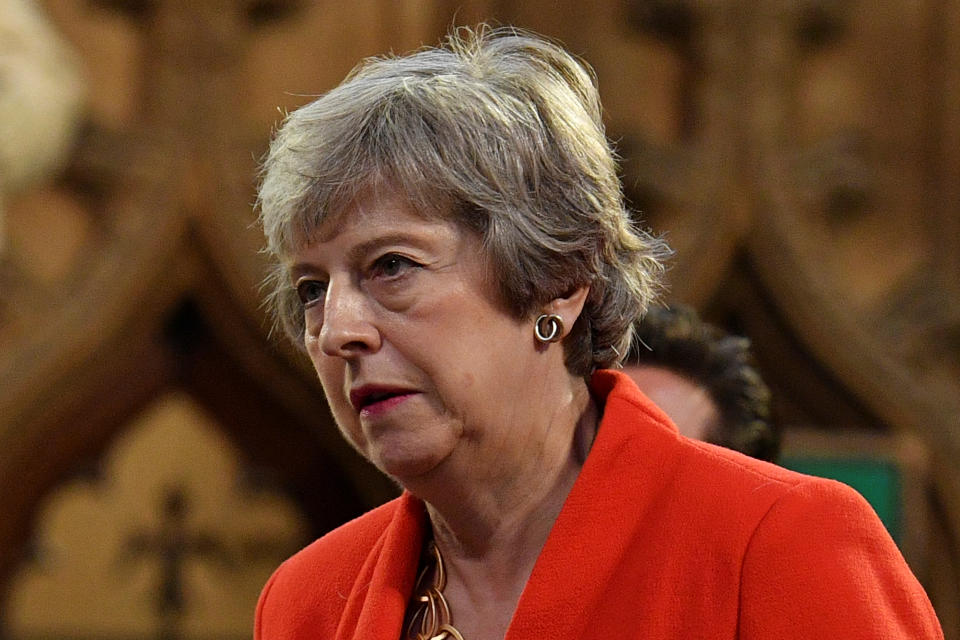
(392, 265)
(311, 292)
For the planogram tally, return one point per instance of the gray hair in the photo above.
(498, 130)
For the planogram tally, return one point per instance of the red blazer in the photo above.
(661, 538)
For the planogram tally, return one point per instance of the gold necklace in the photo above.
(430, 618)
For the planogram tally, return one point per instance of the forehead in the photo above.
(371, 207)
(376, 210)
(375, 222)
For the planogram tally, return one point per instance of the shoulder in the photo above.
(821, 562)
(781, 512)
(709, 497)
(700, 471)
(641, 423)
(811, 557)
(307, 593)
(814, 559)
(765, 481)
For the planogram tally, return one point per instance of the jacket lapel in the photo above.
(600, 516)
(378, 602)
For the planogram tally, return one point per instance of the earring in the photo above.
(548, 328)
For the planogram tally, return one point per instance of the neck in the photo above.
(491, 529)
(491, 533)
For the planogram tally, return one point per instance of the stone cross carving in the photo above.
(173, 544)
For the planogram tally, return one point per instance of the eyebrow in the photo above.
(300, 269)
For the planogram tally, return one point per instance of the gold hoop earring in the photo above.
(548, 328)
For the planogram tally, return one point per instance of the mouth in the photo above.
(372, 399)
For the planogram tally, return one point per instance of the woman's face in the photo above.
(417, 358)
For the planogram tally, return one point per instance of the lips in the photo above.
(369, 399)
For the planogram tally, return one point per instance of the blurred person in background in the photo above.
(705, 379)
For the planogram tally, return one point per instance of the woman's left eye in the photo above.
(392, 265)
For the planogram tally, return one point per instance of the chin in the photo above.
(404, 467)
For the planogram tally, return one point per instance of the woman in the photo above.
(454, 255)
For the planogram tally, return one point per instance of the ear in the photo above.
(569, 307)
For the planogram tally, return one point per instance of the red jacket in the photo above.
(661, 538)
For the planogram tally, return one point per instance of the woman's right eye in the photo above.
(311, 292)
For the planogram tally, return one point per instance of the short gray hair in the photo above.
(499, 130)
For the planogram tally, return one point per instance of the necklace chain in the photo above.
(430, 617)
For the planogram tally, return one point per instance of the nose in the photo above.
(348, 328)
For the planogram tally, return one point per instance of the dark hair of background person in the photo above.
(677, 339)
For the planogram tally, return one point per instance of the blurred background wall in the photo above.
(160, 453)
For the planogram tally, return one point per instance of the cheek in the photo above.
(321, 364)
(331, 372)
(331, 379)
